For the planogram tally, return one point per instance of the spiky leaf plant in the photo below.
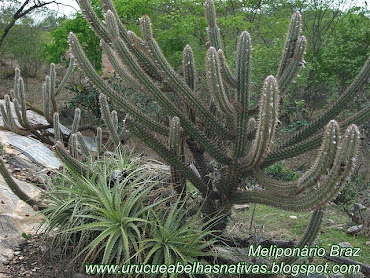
(103, 216)
(176, 237)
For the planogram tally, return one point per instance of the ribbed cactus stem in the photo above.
(72, 164)
(93, 19)
(325, 158)
(243, 69)
(277, 186)
(104, 88)
(314, 141)
(114, 116)
(326, 189)
(56, 126)
(166, 154)
(67, 75)
(360, 80)
(269, 107)
(290, 43)
(212, 30)
(18, 112)
(111, 123)
(73, 145)
(46, 101)
(126, 78)
(99, 140)
(52, 87)
(146, 28)
(4, 114)
(188, 68)
(112, 26)
(83, 146)
(22, 102)
(310, 234)
(76, 120)
(178, 84)
(16, 82)
(215, 83)
(136, 41)
(251, 134)
(229, 78)
(9, 114)
(295, 65)
(175, 146)
(17, 190)
(168, 105)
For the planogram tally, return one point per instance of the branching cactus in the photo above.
(17, 103)
(225, 128)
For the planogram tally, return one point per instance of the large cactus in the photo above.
(224, 128)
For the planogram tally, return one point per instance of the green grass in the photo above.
(276, 224)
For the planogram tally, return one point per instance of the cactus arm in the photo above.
(166, 154)
(93, 19)
(52, 88)
(290, 43)
(72, 164)
(200, 162)
(326, 189)
(176, 82)
(108, 119)
(16, 82)
(175, 146)
(12, 125)
(215, 41)
(84, 148)
(277, 186)
(296, 63)
(114, 117)
(104, 88)
(229, 78)
(314, 141)
(56, 126)
(5, 115)
(243, 68)
(213, 30)
(321, 166)
(188, 69)
(18, 109)
(127, 79)
(215, 83)
(76, 121)
(23, 104)
(17, 190)
(67, 76)
(72, 146)
(251, 134)
(127, 58)
(269, 105)
(334, 109)
(134, 44)
(99, 140)
(324, 160)
(310, 234)
(45, 99)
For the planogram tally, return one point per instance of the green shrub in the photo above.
(280, 172)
